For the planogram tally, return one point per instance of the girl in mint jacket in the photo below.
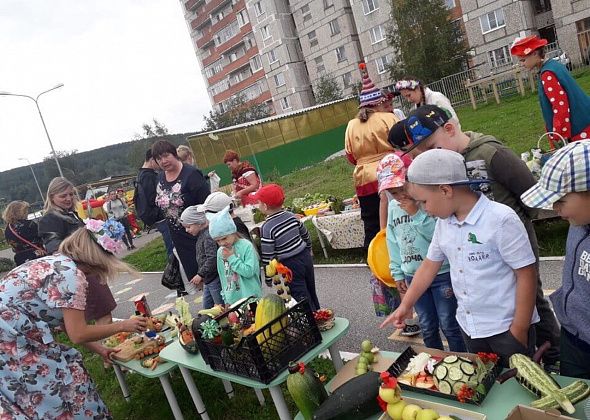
(237, 260)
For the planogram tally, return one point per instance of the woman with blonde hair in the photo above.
(185, 154)
(22, 234)
(39, 376)
(60, 221)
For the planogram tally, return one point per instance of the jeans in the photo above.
(575, 354)
(303, 284)
(212, 294)
(436, 309)
(127, 238)
(164, 230)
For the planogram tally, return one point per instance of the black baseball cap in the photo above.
(397, 136)
(421, 123)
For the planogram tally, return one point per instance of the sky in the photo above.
(122, 63)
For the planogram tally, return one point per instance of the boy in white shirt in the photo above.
(492, 263)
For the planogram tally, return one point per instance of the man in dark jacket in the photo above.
(147, 180)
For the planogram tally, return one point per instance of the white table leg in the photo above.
(171, 398)
(122, 382)
(192, 389)
(260, 396)
(277, 396)
(335, 355)
(229, 389)
(322, 243)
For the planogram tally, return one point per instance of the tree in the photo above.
(157, 130)
(427, 44)
(327, 89)
(239, 111)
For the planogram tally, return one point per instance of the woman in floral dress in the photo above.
(179, 186)
(39, 377)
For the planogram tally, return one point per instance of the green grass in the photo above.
(151, 257)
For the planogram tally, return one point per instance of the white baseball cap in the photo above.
(440, 167)
(215, 202)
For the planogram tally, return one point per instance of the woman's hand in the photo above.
(136, 325)
(105, 353)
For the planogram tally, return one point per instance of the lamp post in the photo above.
(36, 100)
(34, 177)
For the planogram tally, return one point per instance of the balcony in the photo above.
(238, 87)
(223, 22)
(230, 43)
(205, 39)
(233, 66)
(544, 19)
(191, 5)
(200, 21)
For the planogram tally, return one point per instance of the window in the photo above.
(500, 57)
(306, 13)
(319, 62)
(255, 63)
(347, 79)
(369, 6)
(242, 16)
(328, 4)
(334, 27)
(492, 21)
(285, 104)
(265, 31)
(450, 4)
(341, 53)
(279, 79)
(226, 33)
(313, 41)
(258, 8)
(272, 57)
(214, 68)
(383, 63)
(377, 34)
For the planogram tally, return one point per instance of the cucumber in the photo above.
(466, 360)
(450, 359)
(445, 387)
(457, 387)
(467, 368)
(455, 373)
(575, 392)
(441, 372)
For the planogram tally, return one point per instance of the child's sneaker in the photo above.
(411, 330)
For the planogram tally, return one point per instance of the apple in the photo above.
(410, 412)
(427, 414)
(389, 395)
(366, 346)
(395, 410)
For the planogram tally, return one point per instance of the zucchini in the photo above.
(467, 368)
(305, 388)
(465, 359)
(441, 372)
(575, 392)
(455, 373)
(355, 399)
(450, 359)
(445, 387)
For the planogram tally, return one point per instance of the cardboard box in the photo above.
(521, 412)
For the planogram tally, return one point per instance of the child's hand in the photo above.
(401, 285)
(398, 318)
(196, 280)
(409, 206)
(227, 252)
(522, 335)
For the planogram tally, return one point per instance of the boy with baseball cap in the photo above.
(285, 238)
(491, 260)
(430, 127)
(217, 201)
(565, 185)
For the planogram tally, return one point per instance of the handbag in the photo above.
(171, 278)
(40, 252)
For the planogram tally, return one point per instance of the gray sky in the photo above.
(122, 62)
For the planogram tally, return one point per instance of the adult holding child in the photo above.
(39, 376)
(563, 102)
(60, 221)
(22, 234)
(116, 208)
(486, 158)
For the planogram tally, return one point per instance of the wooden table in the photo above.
(186, 362)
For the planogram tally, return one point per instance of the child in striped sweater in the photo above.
(285, 238)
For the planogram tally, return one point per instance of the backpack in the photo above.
(148, 212)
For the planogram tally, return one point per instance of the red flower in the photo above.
(53, 293)
(301, 367)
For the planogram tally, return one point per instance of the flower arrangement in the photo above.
(107, 234)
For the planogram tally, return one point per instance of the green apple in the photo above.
(364, 360)
(395, 410)
(427, 414)
(389, 395)
(370, 357)
(366, 345)
(410, 412)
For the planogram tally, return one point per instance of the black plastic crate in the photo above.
(264, 354)
(401, 363)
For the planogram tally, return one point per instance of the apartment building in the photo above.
(492, 26)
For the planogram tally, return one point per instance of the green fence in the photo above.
(278, 145)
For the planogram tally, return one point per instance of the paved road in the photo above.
(345, 289)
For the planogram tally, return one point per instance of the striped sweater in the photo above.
(283, 236)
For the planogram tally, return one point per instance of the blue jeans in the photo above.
(436, 309)
(164, 230)
(212, 294)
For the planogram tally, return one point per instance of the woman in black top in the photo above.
(179, 186)
(60, 221)
(22, 234)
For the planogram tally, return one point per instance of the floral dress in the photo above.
(39, 377)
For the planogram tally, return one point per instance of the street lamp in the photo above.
(36, 100)
(34, 177)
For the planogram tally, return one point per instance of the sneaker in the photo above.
(411, 330)
(133, 247)
(128, 248)
(552, 368)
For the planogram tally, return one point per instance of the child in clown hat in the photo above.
(563, 103)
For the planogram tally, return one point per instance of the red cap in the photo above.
(270, 194)
(524, 46)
